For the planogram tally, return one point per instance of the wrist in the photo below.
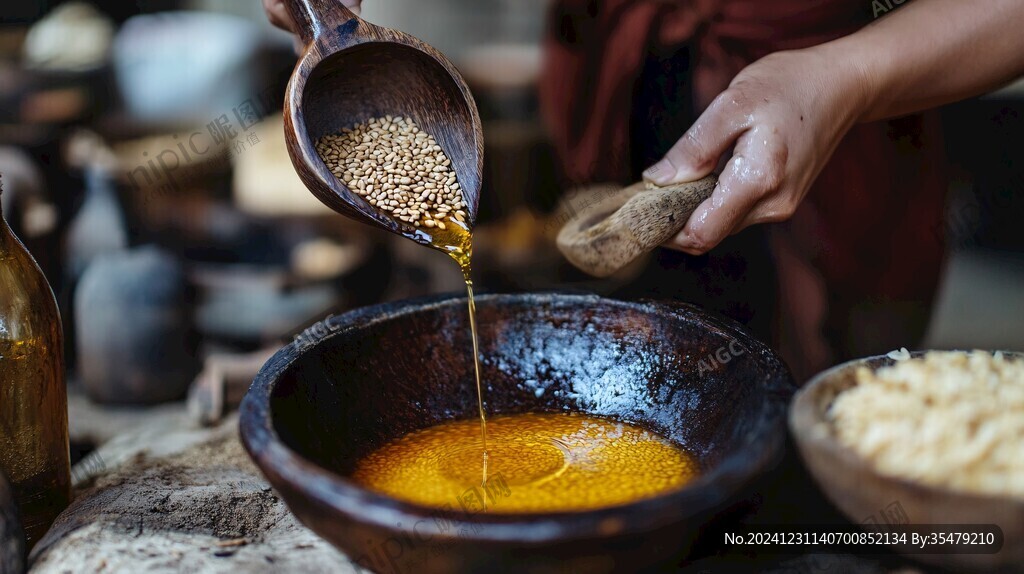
(855, 77)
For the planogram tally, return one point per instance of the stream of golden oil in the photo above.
(457, 241)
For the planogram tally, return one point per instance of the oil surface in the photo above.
(536, 463)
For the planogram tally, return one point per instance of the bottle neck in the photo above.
(1, 198)
(97, 181)
(5, 231)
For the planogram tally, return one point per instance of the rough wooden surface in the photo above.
(168, 496)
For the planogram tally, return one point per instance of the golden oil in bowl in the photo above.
(536, 463)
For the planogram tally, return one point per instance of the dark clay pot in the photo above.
(134, 328)
(356, 381)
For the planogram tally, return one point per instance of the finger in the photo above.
(714, 219)
(772, 209)
(278, 15)
(782, 190)
(696, 153)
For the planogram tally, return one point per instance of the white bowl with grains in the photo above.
(938, 434)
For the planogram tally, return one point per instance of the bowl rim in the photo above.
(326, 488)
(805, 417)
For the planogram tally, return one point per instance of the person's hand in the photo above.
(278, 14)
(783, 116)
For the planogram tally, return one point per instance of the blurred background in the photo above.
(144, 167)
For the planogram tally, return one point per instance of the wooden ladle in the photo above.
(619, 225)
(351, 71)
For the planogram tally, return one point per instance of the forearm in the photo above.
(932, 52)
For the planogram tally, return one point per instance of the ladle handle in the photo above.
(619, 228)
(315, 17)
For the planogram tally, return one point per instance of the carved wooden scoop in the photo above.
(623, 225)
(351, 71)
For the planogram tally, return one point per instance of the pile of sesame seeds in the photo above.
(398, 168)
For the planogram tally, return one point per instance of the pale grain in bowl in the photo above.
(949, 419)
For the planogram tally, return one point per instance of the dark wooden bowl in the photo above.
(351, 71)
(356, 381)
(860, 492)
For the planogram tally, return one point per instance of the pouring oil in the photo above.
(456, 240)
(521, 463)
(402, 171)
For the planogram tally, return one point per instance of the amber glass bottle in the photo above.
(33, 398)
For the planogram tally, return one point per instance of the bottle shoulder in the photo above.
(27, 305)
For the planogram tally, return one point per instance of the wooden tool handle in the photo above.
(622, 226)
(314, 17)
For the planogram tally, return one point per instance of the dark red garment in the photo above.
(871, 224)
